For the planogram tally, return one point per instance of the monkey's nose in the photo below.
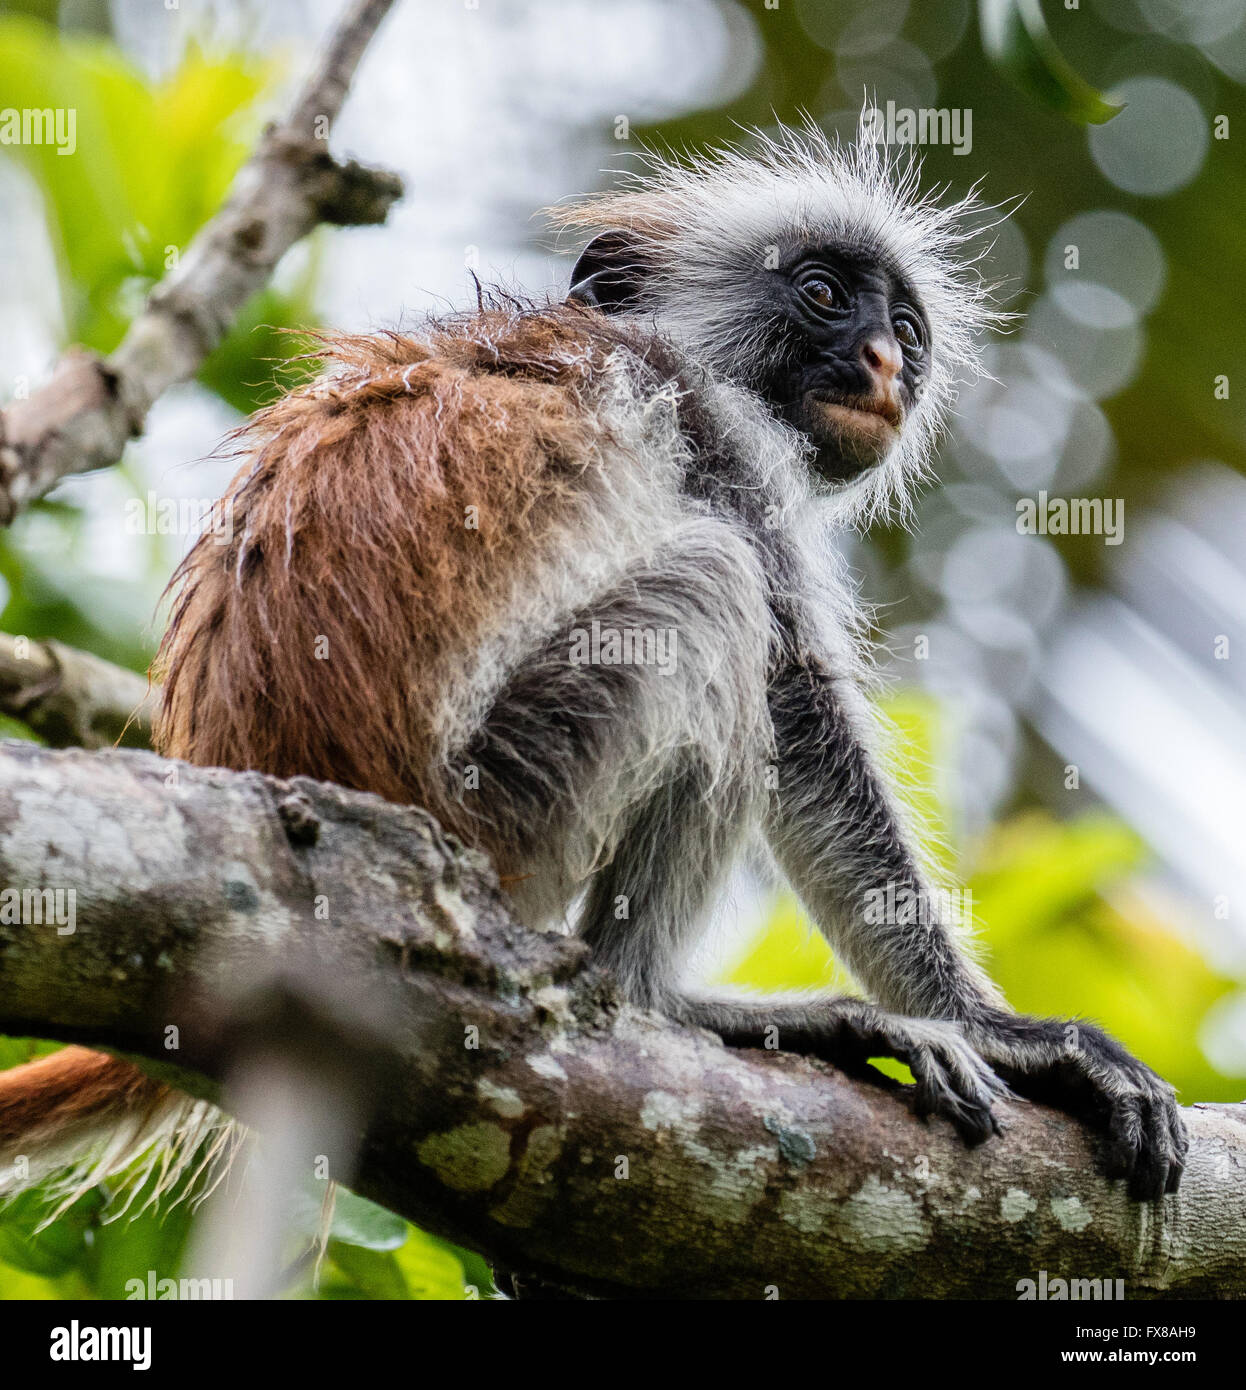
(883, 360)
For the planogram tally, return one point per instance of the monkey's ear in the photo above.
(607, 276)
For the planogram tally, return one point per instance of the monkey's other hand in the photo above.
(952, 1080)
(1078, 1068)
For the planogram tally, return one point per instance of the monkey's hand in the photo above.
(1078, 1068)
(951, 1078)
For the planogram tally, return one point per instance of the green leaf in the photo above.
(431, 1268)
(17, 1286)
(356, 1221)
(15, 1051)
(122, 206)
(131, 1246)
(1016, 38)
(423, 1268)
(477, 1272)
(56, 1249)
(368, 1273)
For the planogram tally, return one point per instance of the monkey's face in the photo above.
(834, 339)
(853, 357)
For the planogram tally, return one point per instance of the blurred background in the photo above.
(1070, 710)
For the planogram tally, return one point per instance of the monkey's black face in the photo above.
(853, 356)
(844, 341)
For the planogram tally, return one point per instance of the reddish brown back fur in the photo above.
(349, 525)
(349, 529)
(70, 1086)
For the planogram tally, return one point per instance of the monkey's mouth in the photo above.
(855, 432)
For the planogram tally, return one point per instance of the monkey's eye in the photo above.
(824, 292)
(908, 331)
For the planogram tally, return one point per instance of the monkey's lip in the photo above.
(876, 421)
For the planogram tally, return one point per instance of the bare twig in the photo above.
(71, 698)
(82, 418)
(531, 1115)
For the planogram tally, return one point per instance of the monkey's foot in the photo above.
(1078, 1068)
(952, 1080)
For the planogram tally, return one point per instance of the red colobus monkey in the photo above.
(756, 349)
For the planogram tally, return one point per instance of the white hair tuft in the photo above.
(702, 227)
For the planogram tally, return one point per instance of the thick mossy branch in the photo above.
(529, 1113)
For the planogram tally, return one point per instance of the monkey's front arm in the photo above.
(839, 839)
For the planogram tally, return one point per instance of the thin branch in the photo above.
(529, 1113)
(82, 418)
(326, 88)
(71, 698)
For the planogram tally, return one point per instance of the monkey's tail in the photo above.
(73, 1119)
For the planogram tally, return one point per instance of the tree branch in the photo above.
(82, 418)
(71, 698)
(597, 1146)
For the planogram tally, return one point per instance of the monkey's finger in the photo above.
(1150, 1171)
(975, 1123)
(1124, 1135)
(920, 1061)
(1180, 1142)
(975, 1077)
(1175, 1170)
(935, 1091)
(979, 1087)
(960, 1100)
(1167, 1140)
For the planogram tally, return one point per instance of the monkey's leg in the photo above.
(841, 844)
(647, 908)
(578, 740)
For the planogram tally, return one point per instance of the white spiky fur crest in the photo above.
(704, 225)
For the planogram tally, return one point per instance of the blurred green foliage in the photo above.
(1062, 926)
(1015, 36)
(97, 1249)
(122, 212)
(118, 216)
